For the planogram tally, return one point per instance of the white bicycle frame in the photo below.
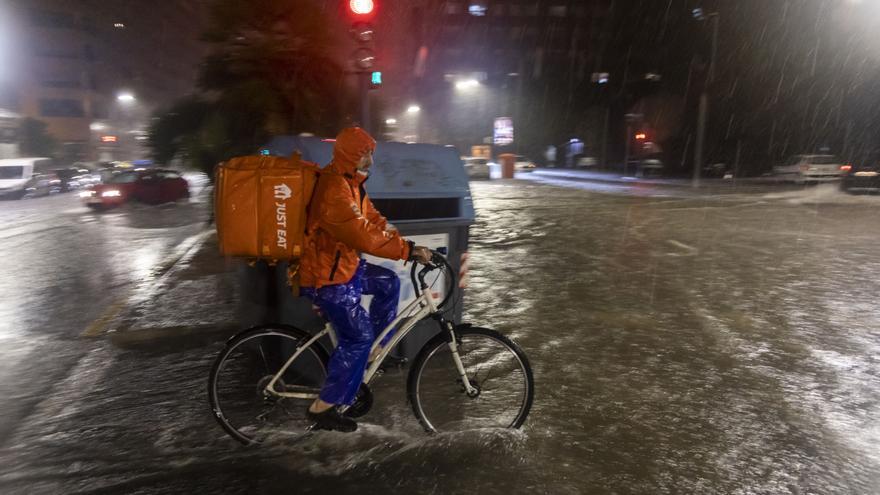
(426, 306)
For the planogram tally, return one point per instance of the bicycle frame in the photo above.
(423, 306)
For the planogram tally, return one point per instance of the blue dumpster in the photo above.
(421, 188)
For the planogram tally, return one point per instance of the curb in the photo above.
(612, 179)
(117, 315)
(608, 180)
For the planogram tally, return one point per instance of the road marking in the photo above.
(99, 326)
(183, 252)
(24, 230)
(690, 249)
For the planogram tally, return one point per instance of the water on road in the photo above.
(681, 343)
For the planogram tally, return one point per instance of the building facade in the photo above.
(94, 71)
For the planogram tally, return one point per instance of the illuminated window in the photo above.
(477, 10)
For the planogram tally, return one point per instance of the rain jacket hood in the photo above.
(342, 221)
(351, 144)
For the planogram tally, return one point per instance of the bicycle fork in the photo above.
(469, 389)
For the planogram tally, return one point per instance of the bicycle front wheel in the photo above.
(237, 387)
(495, 366)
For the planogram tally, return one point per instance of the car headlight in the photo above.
(86, 194)
(112, 193)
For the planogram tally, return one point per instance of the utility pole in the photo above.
(364, 94)
(703, 114)
(361, 13)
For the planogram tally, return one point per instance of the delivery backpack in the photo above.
(260, 206)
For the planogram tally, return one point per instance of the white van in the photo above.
(15, 173)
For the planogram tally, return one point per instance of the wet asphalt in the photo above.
(682, 342)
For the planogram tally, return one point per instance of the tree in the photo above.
(35, 139)
(168, 132)
(270, 71)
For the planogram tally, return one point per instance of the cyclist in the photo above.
(342, 224)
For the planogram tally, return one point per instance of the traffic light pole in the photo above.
(364, 85)
(703, 114)
(626, 147)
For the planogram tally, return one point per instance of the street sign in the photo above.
(503, 131)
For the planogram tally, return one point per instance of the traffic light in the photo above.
(361, 13)
(363, 59)
(361, 8)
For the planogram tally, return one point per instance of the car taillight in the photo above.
(845, 168)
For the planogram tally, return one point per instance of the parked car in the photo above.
(586, 162)
(863, 177)
(16, 175)
(477, 168)
(716, 170)
(87, 178)
(523, 164)
(811, 168)
(42, 185)
(152, 186)
(649, 167)
(72, 178)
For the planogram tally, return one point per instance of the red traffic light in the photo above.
(361, 7)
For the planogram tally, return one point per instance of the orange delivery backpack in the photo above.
(260, 206)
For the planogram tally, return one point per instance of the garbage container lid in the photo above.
(400, 170)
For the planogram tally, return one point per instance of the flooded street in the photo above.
(682, 342)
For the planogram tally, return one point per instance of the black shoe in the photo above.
(332, 420)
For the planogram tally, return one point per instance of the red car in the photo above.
(152, 186)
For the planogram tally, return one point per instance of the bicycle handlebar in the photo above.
(438, 261)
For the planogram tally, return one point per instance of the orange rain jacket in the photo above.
(342, 221)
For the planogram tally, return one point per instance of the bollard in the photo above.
(508, 160)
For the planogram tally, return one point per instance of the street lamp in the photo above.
(413, 109)
(704, 96)
(467, 84)
(125, 97)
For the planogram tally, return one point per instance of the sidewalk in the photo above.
(612, 177)
(196, 295)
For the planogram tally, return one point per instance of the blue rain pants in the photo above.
(356, 330)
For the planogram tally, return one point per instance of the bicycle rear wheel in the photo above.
(238, 380)
(494, 365)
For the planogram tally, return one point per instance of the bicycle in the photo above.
(462, 378)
